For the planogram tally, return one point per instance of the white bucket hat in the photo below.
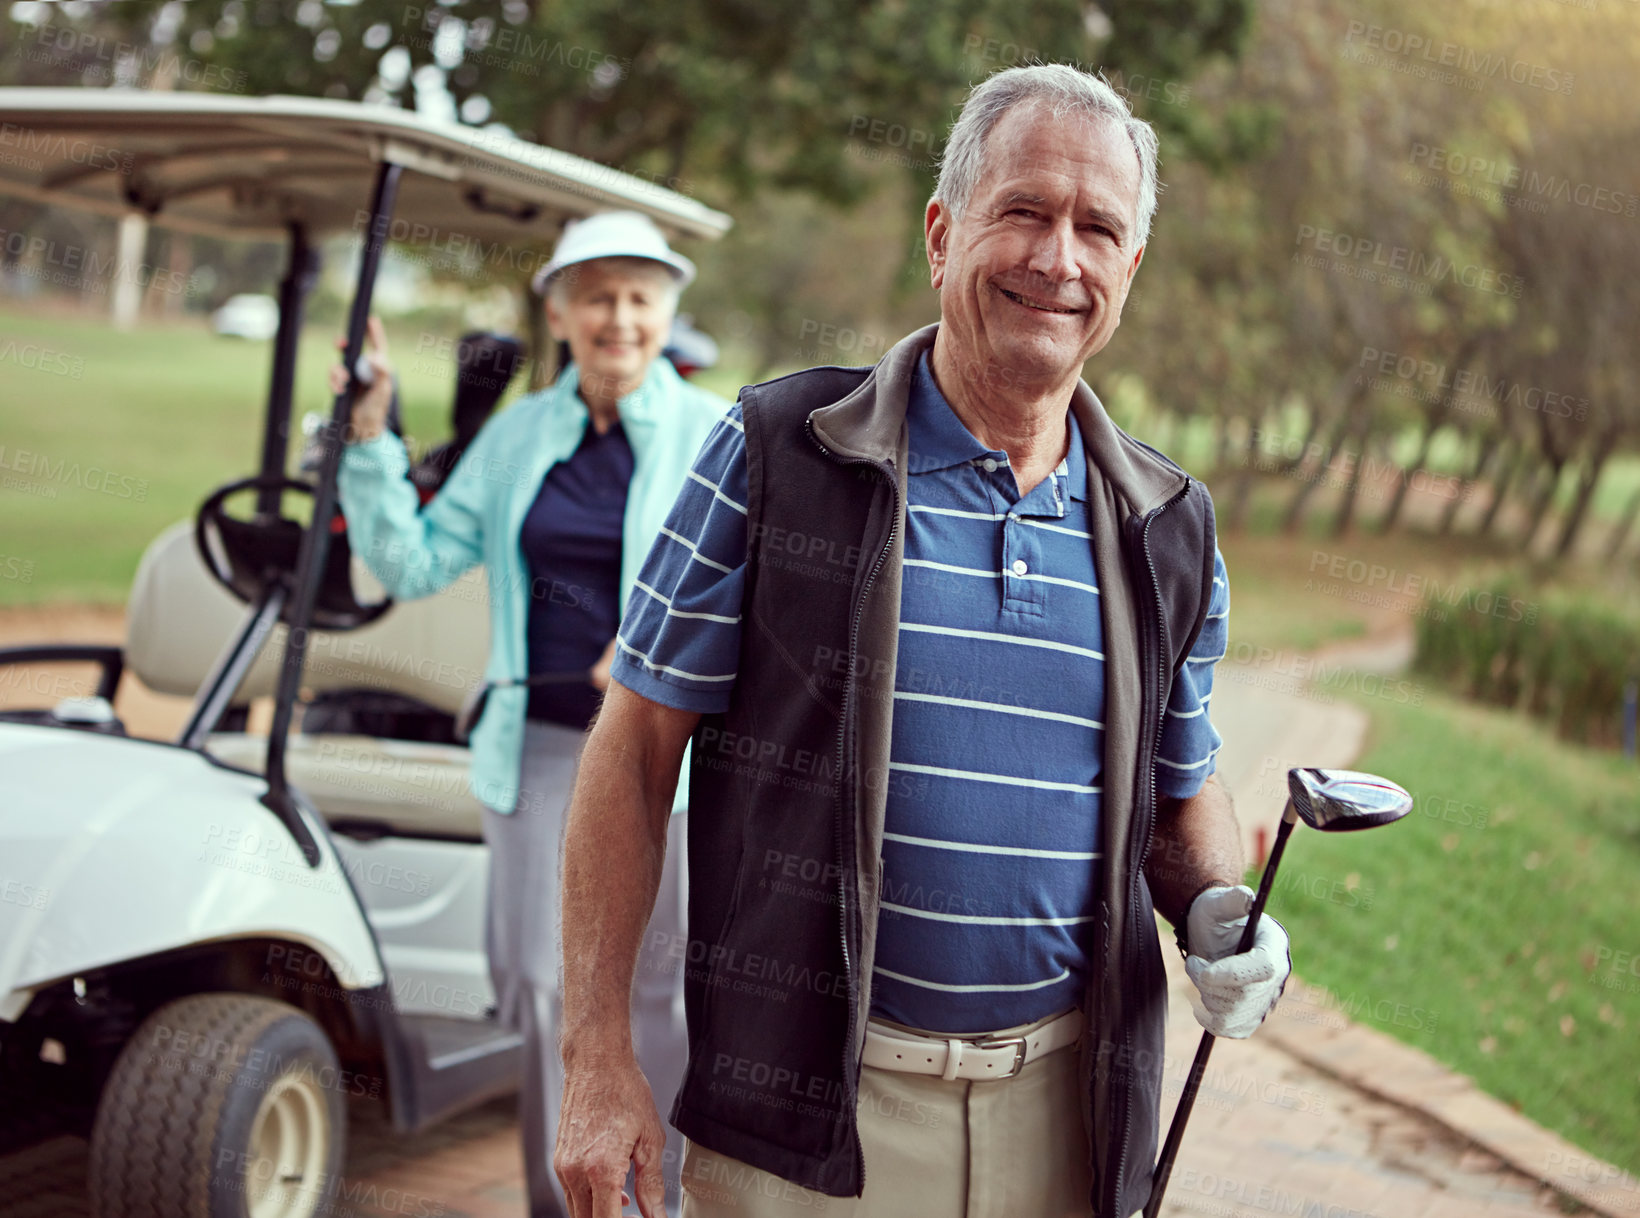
(614, 234)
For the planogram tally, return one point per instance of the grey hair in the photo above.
(558, 286)
(1064, 90)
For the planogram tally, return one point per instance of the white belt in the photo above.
(951, 1057)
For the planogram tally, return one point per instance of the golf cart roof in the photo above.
(253, 166)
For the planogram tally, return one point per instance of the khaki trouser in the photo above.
(933, 1149)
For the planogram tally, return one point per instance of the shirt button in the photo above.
(990, 465)
(1019, 566)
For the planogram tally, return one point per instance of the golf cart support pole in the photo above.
(237, 659)
(300, 271)
(315, 546)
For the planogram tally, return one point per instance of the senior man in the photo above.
(943, 637)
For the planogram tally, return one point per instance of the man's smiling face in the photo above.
(1033, 275)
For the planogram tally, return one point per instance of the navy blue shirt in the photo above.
(991, 841)
(571, 540)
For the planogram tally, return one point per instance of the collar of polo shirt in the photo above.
(939, 440)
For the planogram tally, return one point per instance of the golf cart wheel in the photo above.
(220, 1105)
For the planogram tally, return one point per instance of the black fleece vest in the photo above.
(774, 923)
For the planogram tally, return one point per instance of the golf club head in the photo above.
(1342, 801)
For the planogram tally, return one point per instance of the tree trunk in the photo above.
(1625, 524)
(1538, 513)
(1435, 418)
(1241, 498)
(160, 297)
(1588, 478)
(542, 356)
(1508, 468)
(1350, 395)
(1307, 486)
(1346, 508)
(1529, 481)
(1293, 464)
(1404, 482)
(130, 252)
(1241, 489)
(1308, 482)
(16, 216)
(1221, 450)
(1484, 452)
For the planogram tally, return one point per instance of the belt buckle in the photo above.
(1002, 1042)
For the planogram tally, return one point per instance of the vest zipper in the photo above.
(1150, 784)
(850, 1065)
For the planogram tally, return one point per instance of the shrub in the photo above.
(1562, 655)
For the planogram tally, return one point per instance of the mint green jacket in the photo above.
(478, 514)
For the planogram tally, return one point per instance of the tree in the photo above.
(725, 99)
(731, 96)
(1455, 224)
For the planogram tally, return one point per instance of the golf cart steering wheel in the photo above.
(245, 555)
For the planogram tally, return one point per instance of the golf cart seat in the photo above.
(179, 619)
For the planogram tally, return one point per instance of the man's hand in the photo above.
(609, 1120)
(1237, 991)
(369, 417)
(614, 849)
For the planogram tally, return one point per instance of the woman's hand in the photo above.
(369, 417)
(599, 672)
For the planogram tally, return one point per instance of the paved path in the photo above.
(1314, 1117)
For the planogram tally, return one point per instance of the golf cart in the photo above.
(209, 945)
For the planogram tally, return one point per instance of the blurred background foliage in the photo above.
(1386, 313)
(1310, 160)
(1395, 250)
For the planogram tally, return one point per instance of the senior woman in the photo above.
(559, 497)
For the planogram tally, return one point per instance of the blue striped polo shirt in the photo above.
(991, 842)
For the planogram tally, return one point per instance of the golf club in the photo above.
(476, 701)
(1333, 801)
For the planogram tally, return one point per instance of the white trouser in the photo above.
(522, 937)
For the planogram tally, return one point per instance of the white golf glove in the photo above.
(1237, 992)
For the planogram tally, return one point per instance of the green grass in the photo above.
(153, 410)
(159, 416)
(1269, 604)
(1283, 595)
(1619, 483)
(1494, 928)
(168, 412)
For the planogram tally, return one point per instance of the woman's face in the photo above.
(615, 314)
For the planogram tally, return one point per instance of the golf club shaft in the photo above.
(1198, 1067)
(470, 714)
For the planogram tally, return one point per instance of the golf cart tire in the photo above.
(172, 1137)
